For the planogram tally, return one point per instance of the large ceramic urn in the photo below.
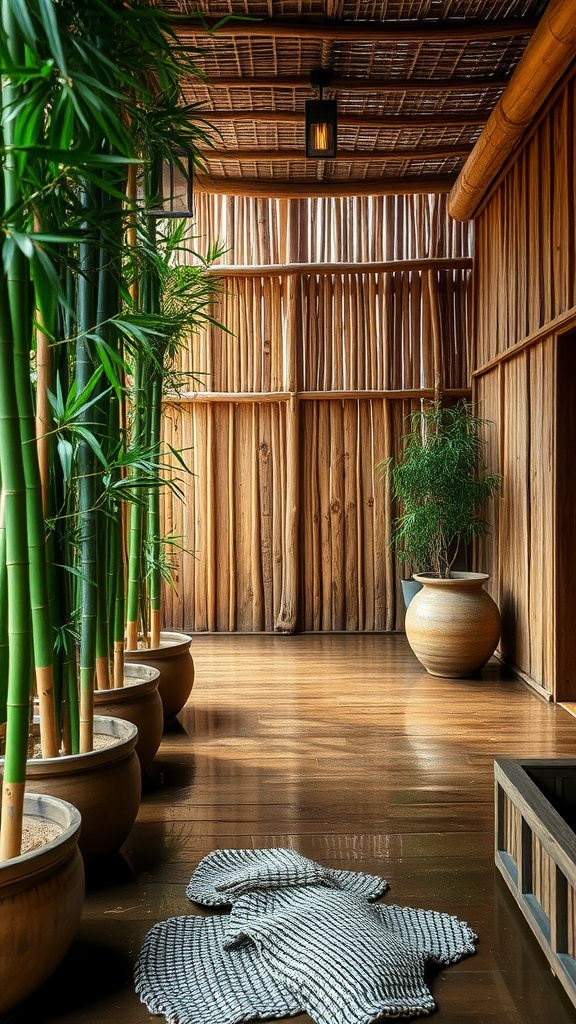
(41, 899)
(137, 701)
(105, 785)
(174, 662)
(453, 625)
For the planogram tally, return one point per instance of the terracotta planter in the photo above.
(174, 661)
(41, 898)
(105, 785)
(139, 702)
(453, 625)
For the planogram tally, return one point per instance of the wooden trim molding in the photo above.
(331, 29)
(547, 56)
(363, 156)
(312, 189)
(354, 84)
(564, 322)
(211, 397)
(376, 123)
(384, 267)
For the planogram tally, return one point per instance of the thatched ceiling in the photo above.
(415, 82)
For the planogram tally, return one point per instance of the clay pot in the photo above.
(105, 785)
(41, 898)
(453, 625)
(139, 702)
(174, 661)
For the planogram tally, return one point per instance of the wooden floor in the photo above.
(344, 748)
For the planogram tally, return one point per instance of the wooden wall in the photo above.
(355, 312)
(525, 311)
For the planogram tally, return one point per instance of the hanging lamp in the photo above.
(321, 119)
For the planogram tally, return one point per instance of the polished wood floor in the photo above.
(344, 748)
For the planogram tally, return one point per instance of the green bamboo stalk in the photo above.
(72, 725)
(42, 413)
(62, 555)
(130, 627)
(4, 649)
(87, 524)
(108, 303)
(17, 568)
(13, 315)
(116, 598)
(151, 303)
(19, 299)
(116, 572)
(41, 622)
(153, 521)
(135, 516)
(102, 642)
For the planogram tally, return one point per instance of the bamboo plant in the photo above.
(175, 301)
(80, 92)
(441, 482)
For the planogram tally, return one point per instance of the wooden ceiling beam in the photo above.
(368, 84)
(347, 155)
(359, 84)
(378, 122)
(330, 30)
(305, 189)
(546, 58)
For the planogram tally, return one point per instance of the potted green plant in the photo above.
(442, 485)
(79, 82)
(176, 299)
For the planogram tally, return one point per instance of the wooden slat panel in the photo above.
(525, 259)
(514, 517)
(525, 295)
(297, 335)
(488, 405)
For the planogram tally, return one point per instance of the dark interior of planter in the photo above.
(558, 784)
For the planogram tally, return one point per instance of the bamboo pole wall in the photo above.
(525, 300)
(353, 230)
(285, 523)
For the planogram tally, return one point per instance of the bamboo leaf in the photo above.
(50, 23)
(92, 441)
(77, 403)
(66, 457)
(46, 290)
(111, 361)
(23, 242)
(177, 454)
(21, 15)
(77, 157)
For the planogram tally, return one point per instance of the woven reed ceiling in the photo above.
(415, 82)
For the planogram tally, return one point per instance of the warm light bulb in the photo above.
(320, 136)
(320, 129)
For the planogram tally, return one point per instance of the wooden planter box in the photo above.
(535, 805)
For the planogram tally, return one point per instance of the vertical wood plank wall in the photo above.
(525, 298)
(284, 523)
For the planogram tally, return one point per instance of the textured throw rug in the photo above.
(299, 938)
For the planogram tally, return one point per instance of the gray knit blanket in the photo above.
(299, 938)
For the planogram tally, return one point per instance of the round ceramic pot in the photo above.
(139, 702)
(174, 662)
(41, 899)
(104, 784)
(453, 625)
